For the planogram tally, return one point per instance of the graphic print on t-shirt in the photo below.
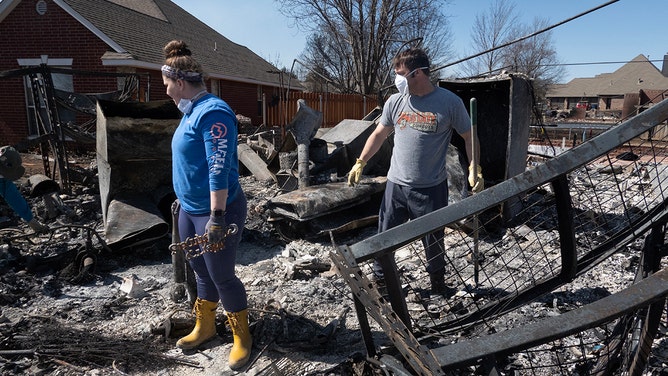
(421, 121)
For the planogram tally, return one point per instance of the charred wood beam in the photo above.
(249, 158)
(569, 257)
(394, 292)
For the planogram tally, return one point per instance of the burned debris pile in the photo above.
(95, 295)
(72, 304)
(102, 277)
(114, 280)
(75, 350)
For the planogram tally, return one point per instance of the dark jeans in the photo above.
(402, 203)
(214, 271)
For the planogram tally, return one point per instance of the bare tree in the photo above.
(491, 28)
(355, 40)
(328, 66)
(536, 56)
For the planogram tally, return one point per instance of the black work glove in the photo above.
(37, 226)
(215, 228)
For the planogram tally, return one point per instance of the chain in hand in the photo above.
(199, 244)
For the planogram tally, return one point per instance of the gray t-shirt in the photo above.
(422, 131)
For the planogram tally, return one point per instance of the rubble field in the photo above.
(71, 306)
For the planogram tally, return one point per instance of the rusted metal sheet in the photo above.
(503, 117)
(133, 220)
(134, 168)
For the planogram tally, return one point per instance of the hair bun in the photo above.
(176, 48)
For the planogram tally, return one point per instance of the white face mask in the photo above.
(401, 82)
(186, 105)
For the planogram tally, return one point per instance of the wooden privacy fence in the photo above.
(334, 107)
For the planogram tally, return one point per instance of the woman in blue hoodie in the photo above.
(205, 173)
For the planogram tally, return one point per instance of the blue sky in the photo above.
(617, 32)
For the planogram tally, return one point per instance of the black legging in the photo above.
(216, 279)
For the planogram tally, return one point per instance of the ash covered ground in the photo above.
(115, 315)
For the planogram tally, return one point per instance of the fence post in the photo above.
(264, 108)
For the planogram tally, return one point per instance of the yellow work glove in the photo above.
(476, 180)
(356, 172)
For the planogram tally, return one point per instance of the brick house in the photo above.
(621, 91)
(119, 36)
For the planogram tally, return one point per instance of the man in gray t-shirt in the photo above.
(422, 117)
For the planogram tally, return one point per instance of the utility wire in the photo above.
(565, 64)
(525, 37)
(600, 62)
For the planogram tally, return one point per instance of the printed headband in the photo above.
(175, 74)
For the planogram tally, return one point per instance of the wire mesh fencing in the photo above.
(585, 225)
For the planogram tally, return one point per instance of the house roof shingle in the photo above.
(633, 76)
(140, 29)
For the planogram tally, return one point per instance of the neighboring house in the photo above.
(637, 80)
(119, 36)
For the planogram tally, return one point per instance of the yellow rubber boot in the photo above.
(241, 349)
(205, 325)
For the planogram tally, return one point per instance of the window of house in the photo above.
(35, 106)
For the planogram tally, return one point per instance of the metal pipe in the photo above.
(473, 103)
